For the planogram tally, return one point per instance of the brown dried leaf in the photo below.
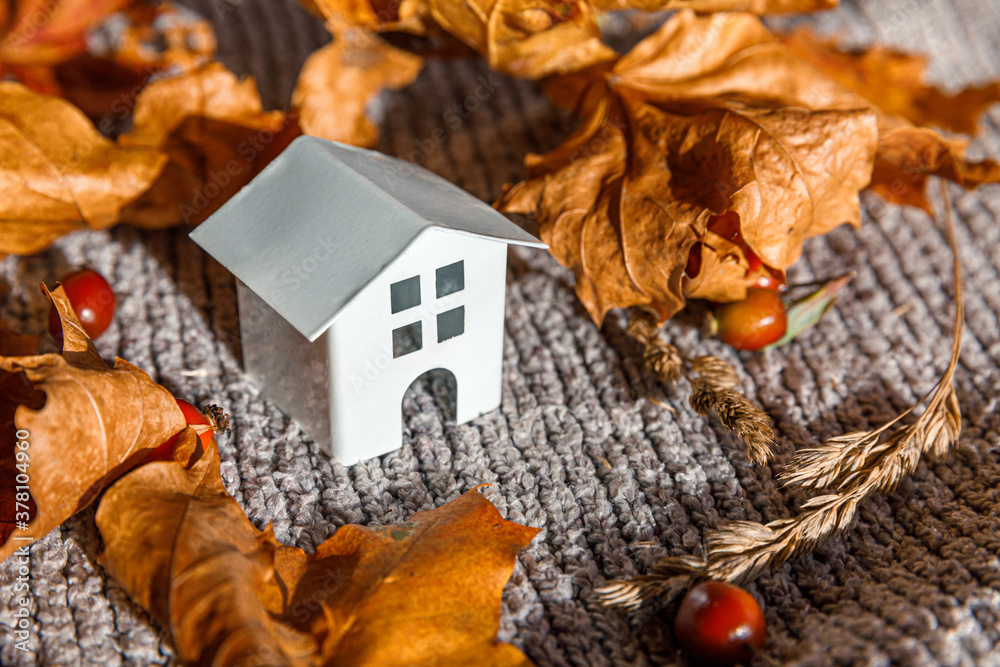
(526, 38)
(426, 591)
(218, 137)
(893, 83)
(533, 39)
(706, 116)
(161, 36)
(58, 174)
(48, 32)
(339, 80)
(908, 155)
(185, 551)
(87, 424)
(709, 6)
(143, 42)
(409, 16)
(13, 344)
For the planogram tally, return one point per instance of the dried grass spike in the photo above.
(663, 359)
(669, 578)
(702, 396)
(643, 324)
(717, 372)
(737, 414)
(854, 465)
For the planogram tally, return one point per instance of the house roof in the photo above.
(324, 219)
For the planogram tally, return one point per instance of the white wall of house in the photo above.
(368, 382)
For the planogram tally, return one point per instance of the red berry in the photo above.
(720, 624)
(92, 300)
(758, 320)
(193, 417)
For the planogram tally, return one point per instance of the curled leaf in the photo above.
(338, 81)
(908, 155)
(424, 591)
(86, 423)
(908, 152)
(893, 82)
(213, 127)
(58, 174)
(48, 32)
(709, 6)
(710, 119)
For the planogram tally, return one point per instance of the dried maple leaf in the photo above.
(407, 16)
(709, 6)
(708, 117)
(125, 54)
(424, 592)
(58, 174)
(149, 38)
(213, 127)
(532, 39)
(338, 81)
(66, 48)
(86, 424)
(526, 38)
(893, 83)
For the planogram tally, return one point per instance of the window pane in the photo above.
(450, 279)
(405, 294)
(451, 323)
(407, 339)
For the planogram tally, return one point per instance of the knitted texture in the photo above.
(615, 469)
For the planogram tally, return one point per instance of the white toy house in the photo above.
(357, 273)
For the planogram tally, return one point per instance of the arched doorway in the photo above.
(434, 392)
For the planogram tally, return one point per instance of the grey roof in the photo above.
(322, 220)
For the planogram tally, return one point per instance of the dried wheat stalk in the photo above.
(851, 466)
(712, 389)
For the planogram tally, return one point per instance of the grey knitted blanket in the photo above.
(582, 446)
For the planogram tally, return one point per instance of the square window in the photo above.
(451, 323)
(450, 279)
(405, 294)
(407, 339)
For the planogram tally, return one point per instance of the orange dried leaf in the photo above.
(908, 155)
(706, 116)
(534, 39)
(143, 42)
(427, 591)
(159, 37)
(894, 84)
(526, 38)
(409, 16)
(47, 32)
(58, 174)
(338, 81)
(217, 135)
(184, 550)
(86, 423)
(709, 6)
